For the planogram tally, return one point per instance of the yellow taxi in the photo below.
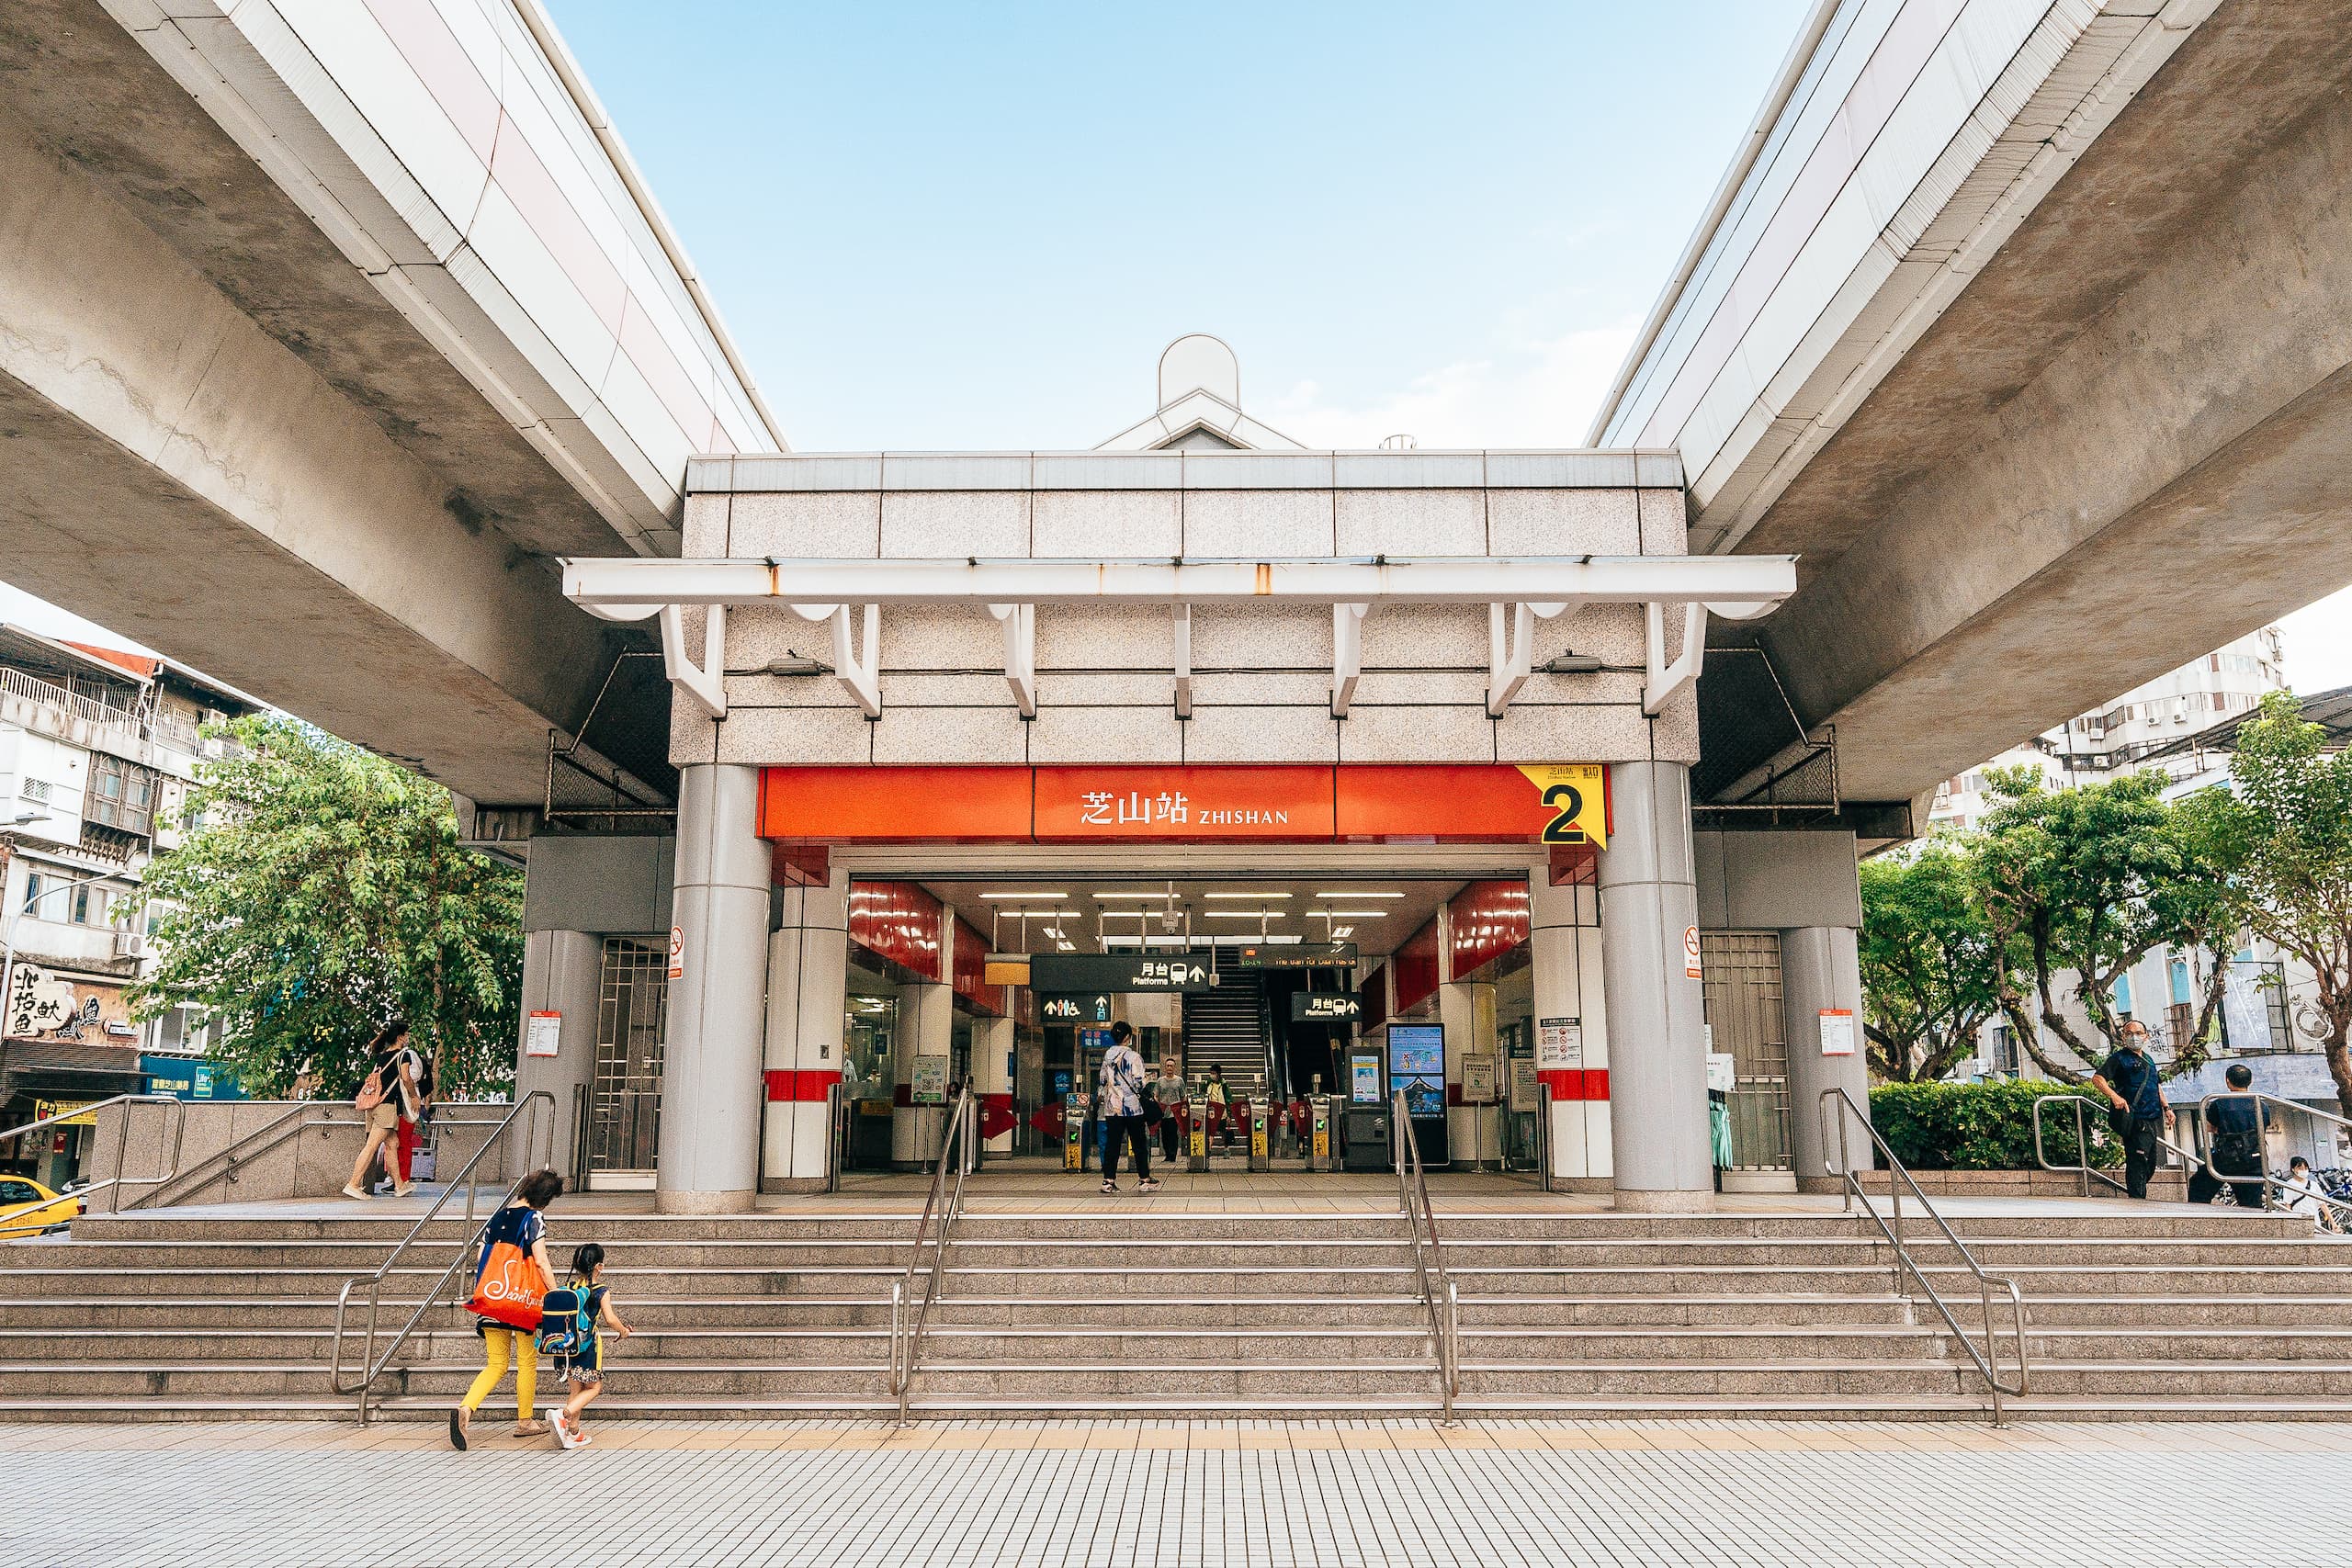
(27, 1208)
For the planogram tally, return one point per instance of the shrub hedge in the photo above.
(1985, 1126)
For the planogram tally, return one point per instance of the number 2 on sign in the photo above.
(1562, 829)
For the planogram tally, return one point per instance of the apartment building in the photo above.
(2140, 729)
(97, 749)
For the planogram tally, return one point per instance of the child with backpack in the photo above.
(568, 1325)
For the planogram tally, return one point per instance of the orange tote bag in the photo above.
(510, 1289)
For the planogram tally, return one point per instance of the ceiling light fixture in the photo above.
(1021, 897)
(1248, 914)
(1351, 914)
(1358, 893)
(1269, 896)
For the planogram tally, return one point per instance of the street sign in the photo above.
(1115, 972)
(1325, 1007)
(1294, 955)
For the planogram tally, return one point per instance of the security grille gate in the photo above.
(1742, 987)
(624, 1101)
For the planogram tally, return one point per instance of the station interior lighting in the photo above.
(1270, 898)
(1022, 898)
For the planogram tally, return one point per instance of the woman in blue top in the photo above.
(520, 1222)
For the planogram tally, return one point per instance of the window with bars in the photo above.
(632, 1014)
(1742, 990)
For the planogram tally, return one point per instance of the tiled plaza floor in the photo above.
(1128, 1495)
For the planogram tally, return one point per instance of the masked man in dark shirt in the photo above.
(2132, 1085)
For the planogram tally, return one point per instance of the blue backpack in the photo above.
(566, 1321)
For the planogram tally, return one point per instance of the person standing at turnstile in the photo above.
(1219, 1122)
(1169, 1089)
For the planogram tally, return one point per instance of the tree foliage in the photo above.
(2288, 819)
(322, 891)
(2081, 884)
(1931, 970)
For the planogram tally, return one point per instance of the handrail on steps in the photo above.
(1436, 1292)
(2083, 1146)
(372, 1365)
(958, 1149)
(2262, 1105)
(121, 1145)
(1845, 1110)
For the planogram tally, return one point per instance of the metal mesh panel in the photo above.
(1742, 987)
(632, 1013)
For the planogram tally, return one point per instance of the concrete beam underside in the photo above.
(2169, 477)
(182, 476)
(91, 92)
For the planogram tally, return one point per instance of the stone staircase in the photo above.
(1155, 1311)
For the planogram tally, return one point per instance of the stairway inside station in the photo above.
(1183, 1306)
(1226, 1026)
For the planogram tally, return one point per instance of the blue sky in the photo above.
(976, 226)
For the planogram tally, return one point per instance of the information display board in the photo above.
(1416, 1065)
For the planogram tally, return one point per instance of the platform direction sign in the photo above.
(1057, 971)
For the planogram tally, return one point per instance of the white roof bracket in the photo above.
(1020, 623)
(1347, 653)
(862, 680)
(1183, 629)
(1666, 680)
(706, 683)
(1511, 653)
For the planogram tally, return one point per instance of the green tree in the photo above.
(2288, 814)
(1931, 971)
(2082, 883)
(322, 891)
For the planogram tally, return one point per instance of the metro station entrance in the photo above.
(1279, 996)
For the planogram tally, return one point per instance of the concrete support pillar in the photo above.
(561, 973)
(993, 1074)
(1820, 972)
(926, 1028)
(1564, 939)
(1466, 1007)
(1657, 1054)
(808, 973)
(710, 1072)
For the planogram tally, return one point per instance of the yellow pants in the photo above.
(499, 1345)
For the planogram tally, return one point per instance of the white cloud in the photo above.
(1534, 393)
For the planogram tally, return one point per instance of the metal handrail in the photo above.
(2082, 1143)
(952, 1148)
(1437, 1293)
(1846, 1110)
(2268, 1181)
(121, 1145)
(371, 1365)
(234, 1155)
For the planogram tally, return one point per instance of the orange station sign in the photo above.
(1554, 803)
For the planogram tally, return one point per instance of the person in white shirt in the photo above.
(1121, 1108)
(2303, 1194)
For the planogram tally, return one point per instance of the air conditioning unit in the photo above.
(131, 945)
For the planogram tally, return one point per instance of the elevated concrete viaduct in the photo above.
(288, 394)
(2083, 421)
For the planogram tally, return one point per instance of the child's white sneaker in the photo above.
(564, 1435)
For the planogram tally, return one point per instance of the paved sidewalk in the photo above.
(1128, 1495)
